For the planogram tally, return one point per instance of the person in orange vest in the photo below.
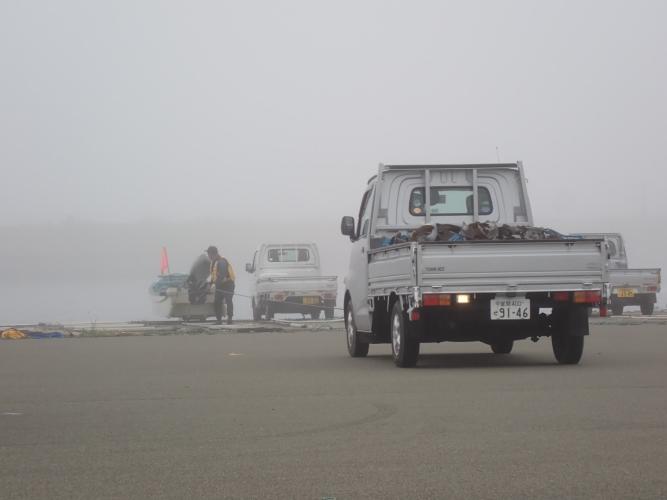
(223, 277)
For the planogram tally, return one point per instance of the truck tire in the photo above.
(617, 309)
(502, 346)
(404, 347)
(315, 314)
(355, 347)
(647, 308)
(567, 348)
(256, 312)
(567, 340)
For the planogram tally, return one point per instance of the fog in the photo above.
(128, 126)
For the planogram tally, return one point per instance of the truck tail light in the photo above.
(437, 299)
(561, 296)
(587, 297)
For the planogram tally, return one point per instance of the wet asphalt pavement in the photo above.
(290, 415)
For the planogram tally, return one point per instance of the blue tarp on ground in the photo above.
(44, 335)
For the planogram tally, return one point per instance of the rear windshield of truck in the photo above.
(450, 201)
(288, 255)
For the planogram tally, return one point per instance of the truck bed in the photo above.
(519, 266)
(640, 280)
(298, 284)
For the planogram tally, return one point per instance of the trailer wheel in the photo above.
(355, 347)
(404, 346)
(647, 308)
(502, 347)
(617, 309)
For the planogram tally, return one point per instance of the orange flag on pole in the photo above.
(164, 262)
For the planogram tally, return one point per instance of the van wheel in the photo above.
(617, 309)
(355, 347)
(502, 347)
(256, 313)
(404, 347)
(647, 308)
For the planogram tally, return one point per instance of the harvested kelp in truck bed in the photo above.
(475, 231)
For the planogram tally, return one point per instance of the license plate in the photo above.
(625, 292)
(510, 308)
(311, 301)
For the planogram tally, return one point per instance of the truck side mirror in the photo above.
(249, 268)
(347, 226)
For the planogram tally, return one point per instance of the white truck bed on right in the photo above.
(628, 287)
(634, 287)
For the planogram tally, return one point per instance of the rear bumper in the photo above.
(298, 304)
(637, 300)
(472, 321)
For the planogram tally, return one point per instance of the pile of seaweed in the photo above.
(474, 232)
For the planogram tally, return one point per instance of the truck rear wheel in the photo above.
(567, 340)
(502, 346)
(269, 312)
(647, 308)
(256, 313)
(355, 347)
(567, 348)
(404, 347)
(617, 309)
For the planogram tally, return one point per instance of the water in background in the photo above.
(94, 272)
(81, 271)
(90, 302)
(75, 303)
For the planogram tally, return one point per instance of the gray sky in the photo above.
(267, 112)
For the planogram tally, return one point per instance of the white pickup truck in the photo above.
(629, 287)
(494, 291)
(288, 279)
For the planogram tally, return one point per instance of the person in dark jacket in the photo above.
(223, 277)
